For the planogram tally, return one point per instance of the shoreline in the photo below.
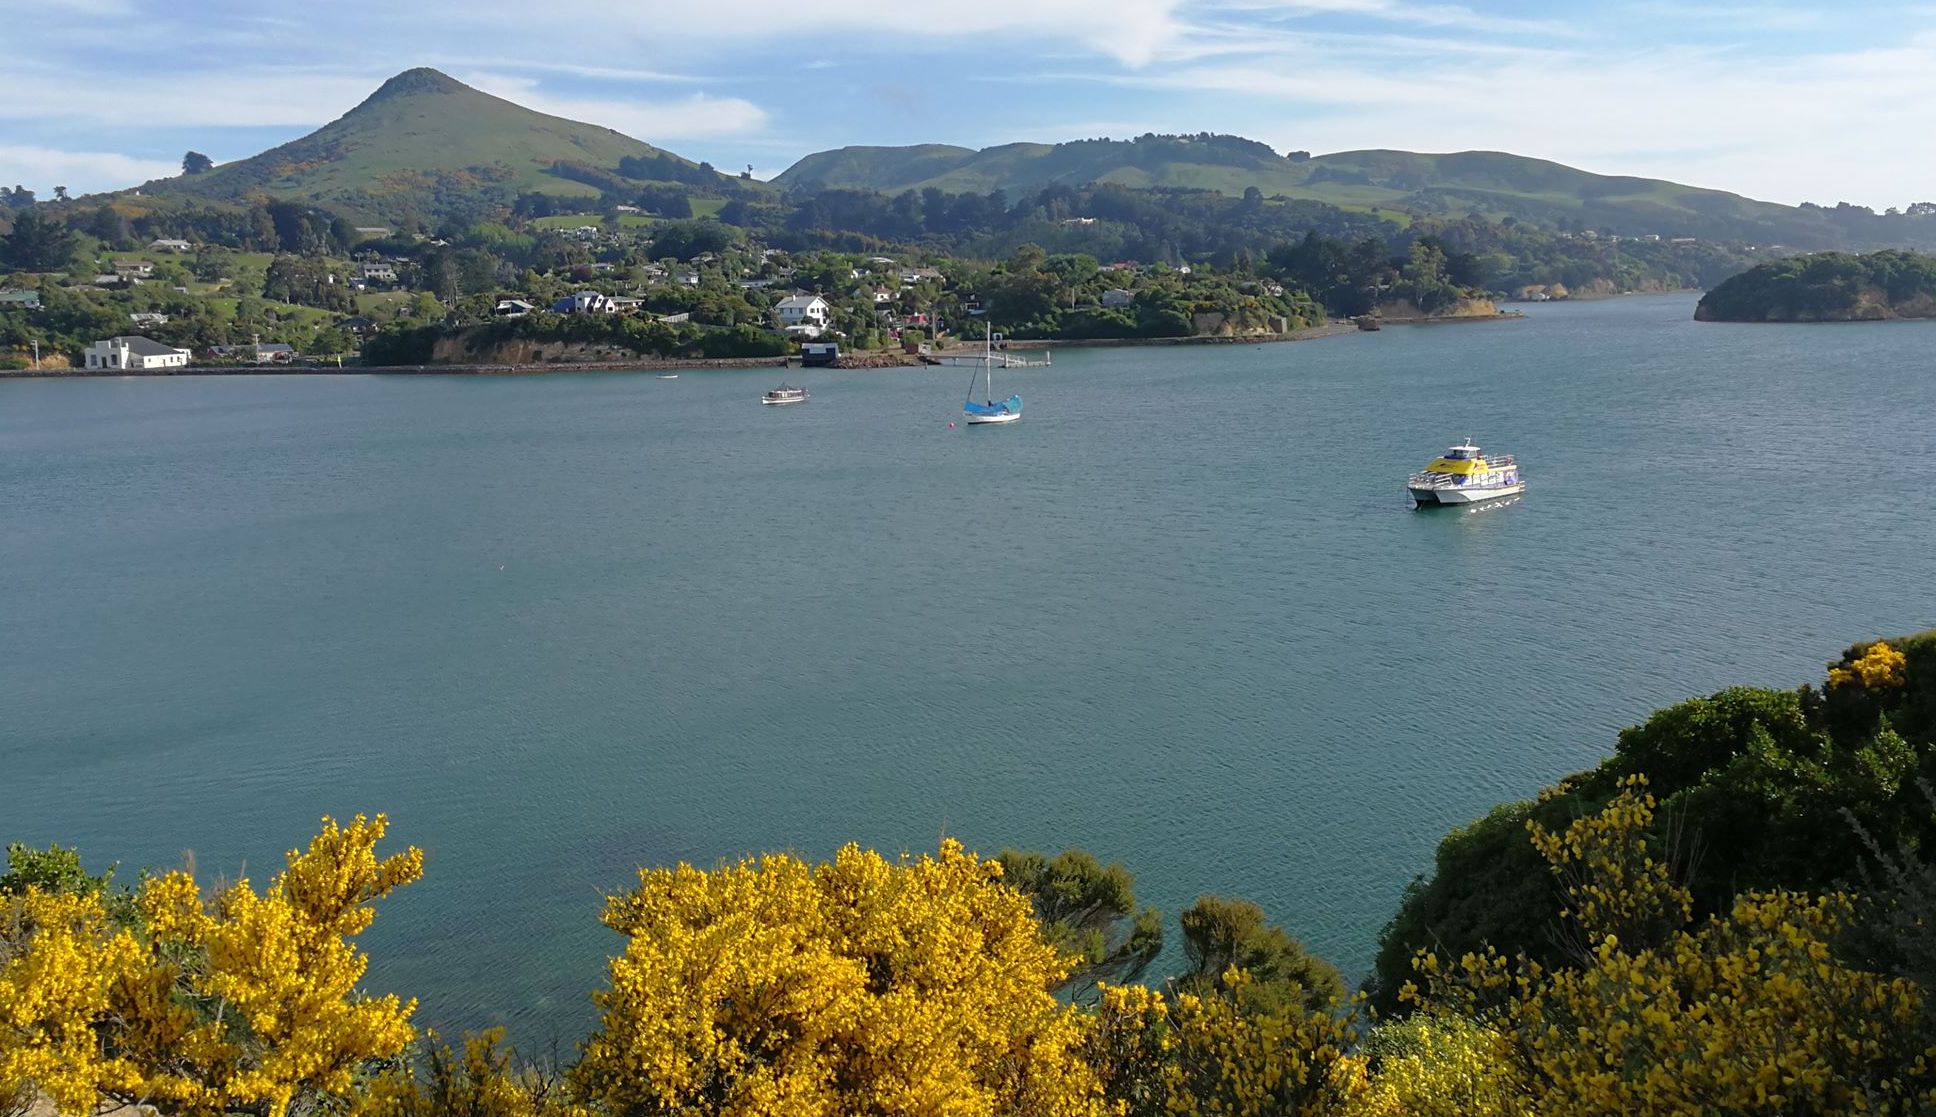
(879, 359)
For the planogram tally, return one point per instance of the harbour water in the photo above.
(1182, 615)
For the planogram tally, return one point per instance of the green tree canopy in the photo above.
(1222, 934)
(1088, 911)
(37, 244)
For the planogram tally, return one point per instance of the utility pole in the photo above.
(36, 354)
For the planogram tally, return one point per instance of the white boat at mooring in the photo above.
(989, 410)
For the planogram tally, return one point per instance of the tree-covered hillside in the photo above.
(1827, 287)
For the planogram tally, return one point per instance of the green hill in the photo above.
(425, 142)
(1826, 287)
(1492, 183)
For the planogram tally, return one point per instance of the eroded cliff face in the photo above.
(459, 350)
(1593, 289)
(1464, 308)
(1216, 324)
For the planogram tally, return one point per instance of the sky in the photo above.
(1779, 100)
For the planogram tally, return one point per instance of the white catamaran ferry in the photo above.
(1466, 475)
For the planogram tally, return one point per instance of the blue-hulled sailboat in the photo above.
(990, 411)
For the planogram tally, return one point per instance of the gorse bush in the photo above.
(1759, 790)
(950, 984)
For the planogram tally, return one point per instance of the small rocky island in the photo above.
(1826, 287)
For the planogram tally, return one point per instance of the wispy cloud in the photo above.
(1453, 16)
(80, 171)
(1706, 115)
(238, 97)
(676, 118)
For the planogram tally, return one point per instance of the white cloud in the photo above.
(1131, 31)
(1825, 127)
(1456, 16)
(697, 115)
(231, 98)
(42, 168)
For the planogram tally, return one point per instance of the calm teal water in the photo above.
(563, 626)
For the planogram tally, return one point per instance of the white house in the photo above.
(1116, 296)
(139, 269)
(803, 310)
(378, 273)
(148, 318)
(585, 302)
(170, 245)
(512, 308)
(134, 353)
(912, 276)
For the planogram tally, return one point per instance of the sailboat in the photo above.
(988, 411)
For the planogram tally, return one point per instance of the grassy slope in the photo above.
(419, 128)
(1495, 183)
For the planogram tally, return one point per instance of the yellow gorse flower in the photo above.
(242, 1001)
(1751, 1012)
(1882, 665)
(775, 987)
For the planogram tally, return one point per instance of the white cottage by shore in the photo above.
(134, 353)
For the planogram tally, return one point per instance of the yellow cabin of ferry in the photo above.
(1460, 460)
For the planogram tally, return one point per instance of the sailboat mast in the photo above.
(988, 360)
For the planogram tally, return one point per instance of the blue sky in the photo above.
(1778, 100)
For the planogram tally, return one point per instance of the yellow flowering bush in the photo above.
(1204, 1055)
(1882, 665)
(1751, 1012)
(244, 1001)
(61, 963)
(775, 987)
(1442, 1065)
(484, 1079)
(1617, 880)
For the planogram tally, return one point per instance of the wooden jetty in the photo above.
(1001, 360)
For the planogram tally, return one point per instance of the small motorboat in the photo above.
(785, 394)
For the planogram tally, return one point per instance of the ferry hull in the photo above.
(1474, 495)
